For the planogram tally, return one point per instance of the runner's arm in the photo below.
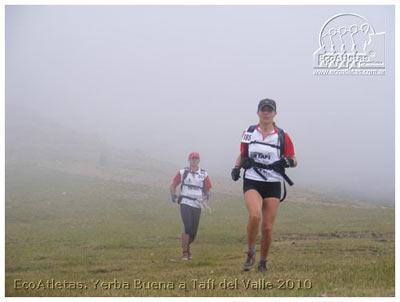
(175, 182)
(289, 149)
(243, 153)
(207, 187)
(238, 161)
(294, 161)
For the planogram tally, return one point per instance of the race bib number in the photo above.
(246, 138)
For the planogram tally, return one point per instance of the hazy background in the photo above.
(159, 82)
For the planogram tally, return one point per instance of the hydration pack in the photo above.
(184, 176)
(281, 139)
(280, 147)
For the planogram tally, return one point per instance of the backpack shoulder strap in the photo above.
(281, 138)
(246, 137)
(251, 128)
(184, 175)
(204, 180)
(284, 192)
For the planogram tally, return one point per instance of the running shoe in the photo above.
(262, 266)
(248, 264)
(185, 256)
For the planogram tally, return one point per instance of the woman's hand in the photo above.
(174, 198)
(235, 173)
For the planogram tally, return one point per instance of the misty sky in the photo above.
(169, 80)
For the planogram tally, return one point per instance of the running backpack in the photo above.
(281, 139)
(185, 175)
(281, 147)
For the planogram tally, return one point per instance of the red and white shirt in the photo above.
(194, 186)
(264, 154)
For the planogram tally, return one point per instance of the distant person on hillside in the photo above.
(265, 152)
(194, 193)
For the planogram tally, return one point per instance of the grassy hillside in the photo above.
(76, 228)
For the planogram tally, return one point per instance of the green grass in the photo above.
(103, 230)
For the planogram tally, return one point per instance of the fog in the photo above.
(170, 80)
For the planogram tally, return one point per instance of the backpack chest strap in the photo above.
(263, 143)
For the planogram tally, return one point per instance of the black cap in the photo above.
(267, 102)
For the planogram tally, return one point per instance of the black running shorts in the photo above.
(266, 189)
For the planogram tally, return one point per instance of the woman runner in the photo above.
(195, 189)
(262, 145)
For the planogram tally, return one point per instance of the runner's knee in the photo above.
(266, 228)
(254, 218)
